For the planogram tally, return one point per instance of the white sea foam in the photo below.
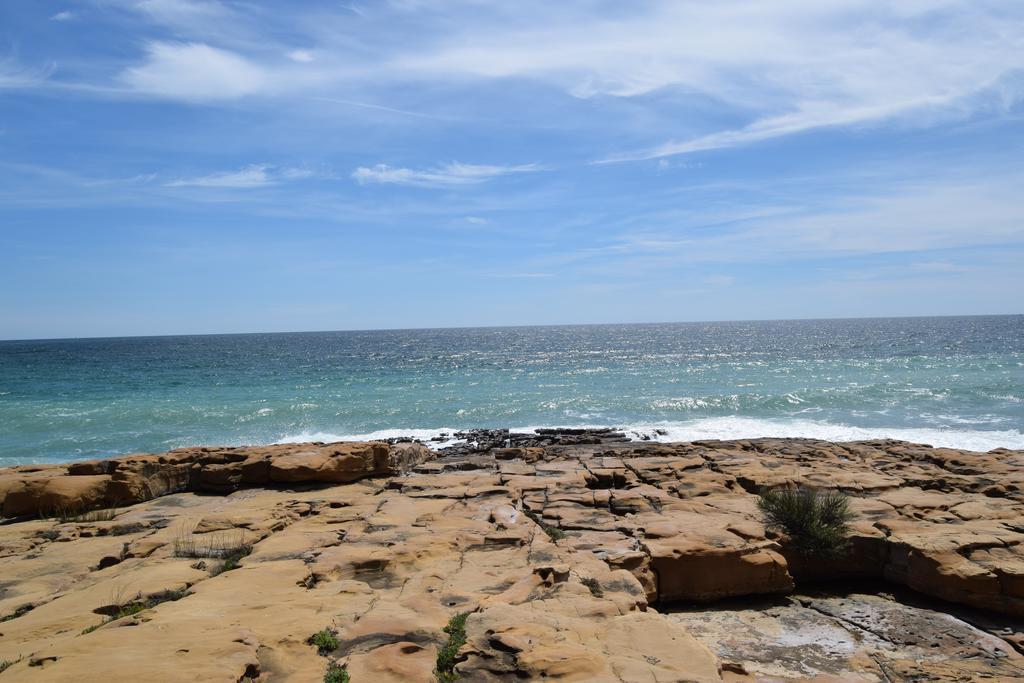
(424, 435)
(749, 428)
(724, 428)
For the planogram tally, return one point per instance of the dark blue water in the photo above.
(945, 381)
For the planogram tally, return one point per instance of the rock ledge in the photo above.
(573, 555)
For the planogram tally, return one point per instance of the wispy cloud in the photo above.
(786, 66)
(808, 118)
(939, 267)
(255, 175)
(300, 173)
(14, 75)
(62, 16)
(769, 69)
(447, 175)
(302, 56)
(378, 107)
(516, 275)
(188, 16)
(194, 71)
(911, 217)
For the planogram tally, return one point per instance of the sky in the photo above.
(204, 166)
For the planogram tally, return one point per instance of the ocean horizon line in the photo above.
(512, 327)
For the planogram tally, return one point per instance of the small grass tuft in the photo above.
(119, 611)
(169, 595)
(553, 532)
(816, 522)
(326, 641)
(5, 664)
(447, 655)
(65, 514)
(335, 674)
(132, 608)
(229, 549)
(232, 559)
(24, 609)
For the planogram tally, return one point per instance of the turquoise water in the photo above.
(946, 381)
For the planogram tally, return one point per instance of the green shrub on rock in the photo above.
(446, 656)
(815, 521)
(335, 674)
(325, 640)
(553, 532)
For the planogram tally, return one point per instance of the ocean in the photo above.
(951, 381)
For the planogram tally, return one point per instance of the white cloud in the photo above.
(447, 175)
(938, 215)
(779, 67)
(477, 220)
(769, 69)
(786, 66)
(13, 75)
(251, 176)
(194, 71)
(759, 130)
(297, 173)
(528, 275)
(944, 214)
(301, 56)
(62, 16)
(816, 116)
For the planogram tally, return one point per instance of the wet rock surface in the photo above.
(482, 440)
(571, 553)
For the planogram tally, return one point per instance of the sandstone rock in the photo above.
(569, 559)
(852, 637)
(79, 487)
(339, 465)
(55, 494)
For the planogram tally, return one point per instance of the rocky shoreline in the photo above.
(581, 555)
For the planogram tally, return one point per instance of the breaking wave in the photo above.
(724, 428)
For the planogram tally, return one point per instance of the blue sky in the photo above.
(191, 166)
